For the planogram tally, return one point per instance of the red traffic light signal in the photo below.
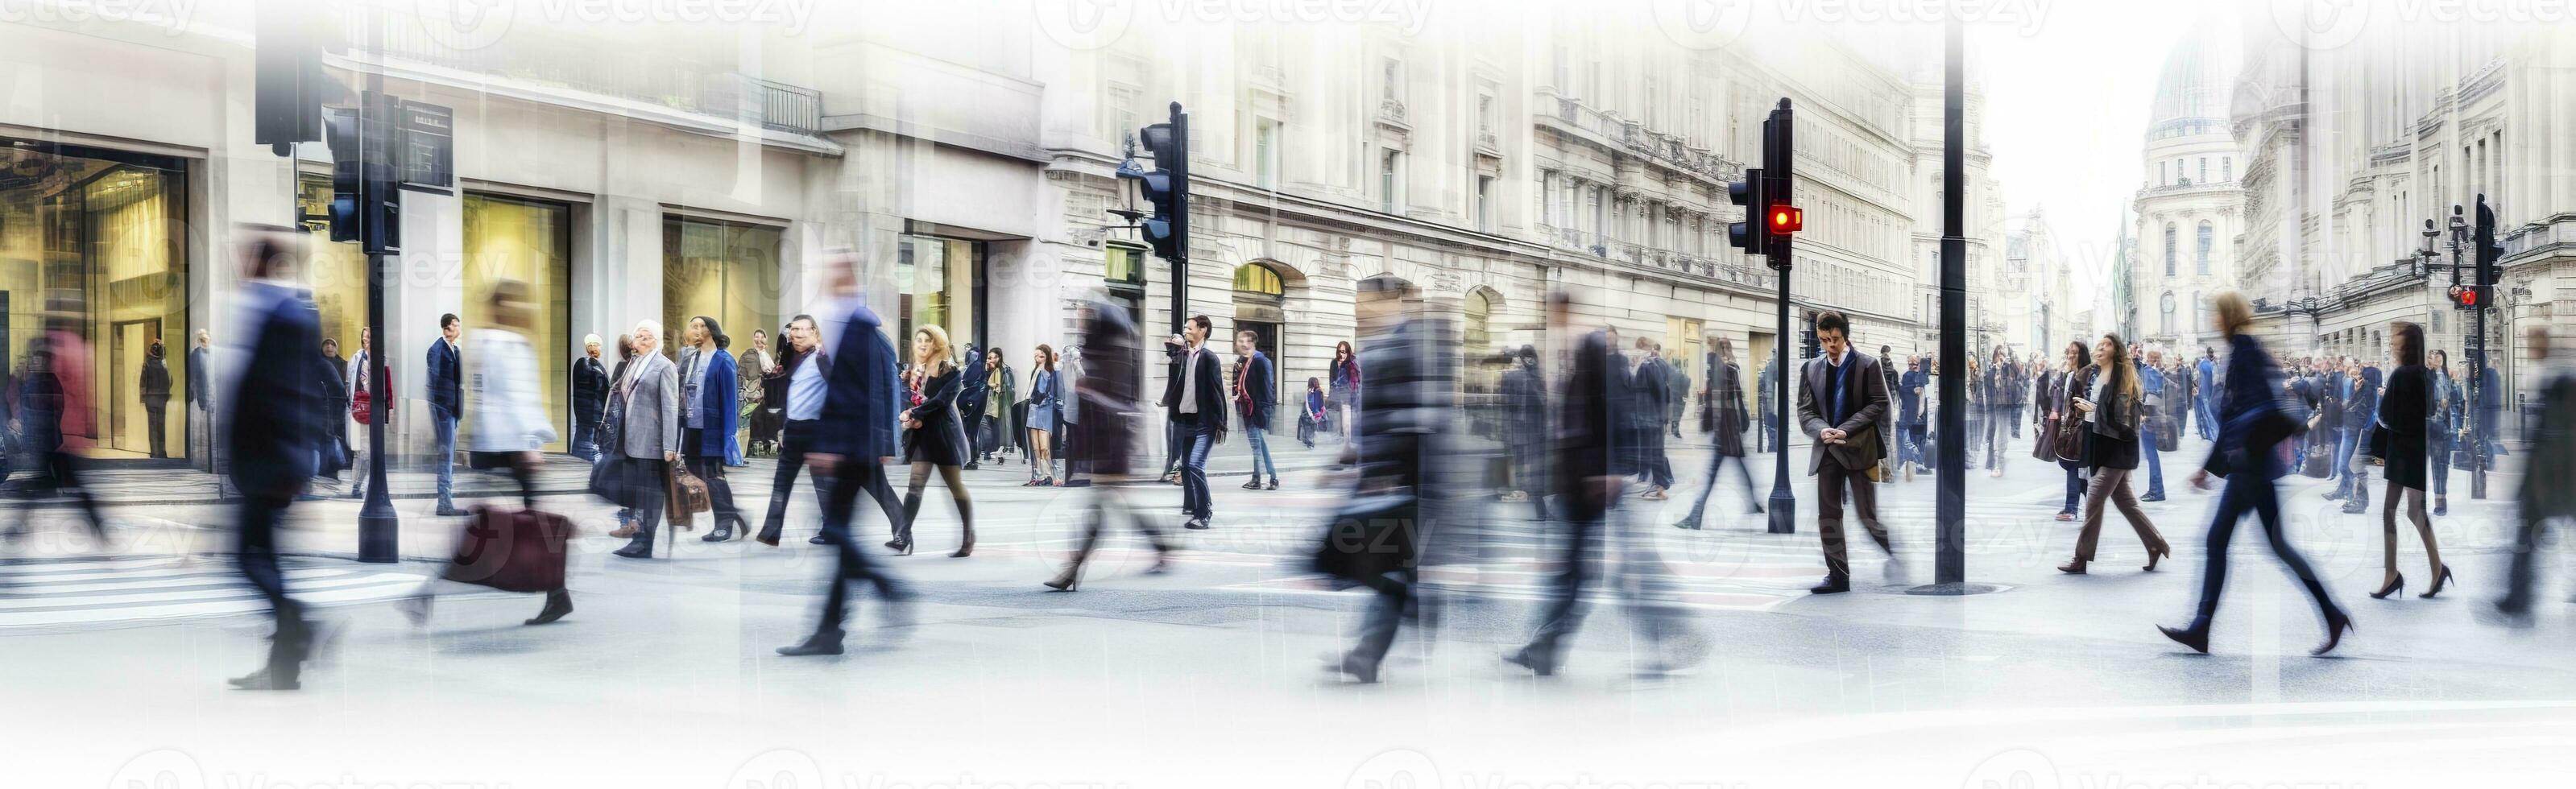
(1787, 219)
(2464, 297)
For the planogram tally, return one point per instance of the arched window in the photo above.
(2201, 263)
(1257, 278)
(1481, 305)
(2168, 326)
(2169, 249)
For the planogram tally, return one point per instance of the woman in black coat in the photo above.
(933, 438)
(2403, 411)
(2110, 409)
(2057, 389)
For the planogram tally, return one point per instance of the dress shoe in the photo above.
(1255, 484)
(558, 603)
(2195, 636)
(2156, 555)
(818, 540)
(972, 465)
(267, 679)
(450, 511)
(1196, 524)
(768, 535)
(2073, 567)
(638, 549)
(902, 546)
(824, 643)
(2395, 585)
(1832, 585)
(1361, 671)
(2439, 581)
(1063, 582)
(1687, 523)
(1528, 658)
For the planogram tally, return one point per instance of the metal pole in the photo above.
(2478, 417)
(1949, 564)
(379, 530)
(1181, 207)
(1784, 503)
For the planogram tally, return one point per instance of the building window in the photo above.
(723, 270)
(2201, 260)
(2203, 177)
(1388, 181)
(529, 241)
(1123, 266)
(2226, 168)
(2169, 249)
(930, 273)
(1257, 278)
(1393, 83)
(1265, 154)
(2160, 174)
(1484, 115)
(2168, 305)
(1485, 203)
(98, 239)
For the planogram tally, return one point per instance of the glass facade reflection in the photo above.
(95, 239)
(725, 270)
(529, 241)
(932, 272)
(339, 274)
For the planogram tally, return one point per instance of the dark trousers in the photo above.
(158, 426)
(1196, 441)
(255, 551)
(1562, 613)
(840, 499)
(711, 469)
(648, 483)
(1832, 479)
(2074, 488)
(2251, 490)
(1717, 462)
(1385, 615)
(1108, 502)
(1529, 475)
(792, 446)
(2438, 451)
(1637, 573)
(55, 471)
(585, 438)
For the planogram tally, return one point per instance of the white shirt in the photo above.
(1190, 381)
(805, 390)
(2096, 396)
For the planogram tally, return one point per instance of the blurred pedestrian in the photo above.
(275, 426)
(2206, 387)
(649, 439)
(1840, 407)
(2055, 397)
(1645, 410)
(200, 397)
(154, 383)
(1311, 417)
(2358, 391)
(2403, 420)
(1994, 380)
(800, 387)
(2152, 387)
(1044, 402)
(1378, 530)
(446, 405)
(2253, 422)
(1911, 389)
(611, 464)
(1525, 431)
(2543, 494)
(2444, 407)
(1194, 394)
(2113, 411)
(1256, 397)
(710, 407)
(54, 413)
(589, 399)
(974, 396)
(1111, 417)
(510, 423)
(1727, 394)
(332, 457)
(748, 366)
(933, 441)
(852, 439)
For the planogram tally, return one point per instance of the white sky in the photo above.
(2067, 102)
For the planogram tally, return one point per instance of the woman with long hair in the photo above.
(2248, 453)
(2403, 413)
(2112, 412)
(996, 432)
(2057, 395)
(1043, 401)
(1344, 387)
(932, 438)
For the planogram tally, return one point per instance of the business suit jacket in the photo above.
(1586, 424)
(446, 379)
(2250, 397)
(719, 408)
(652, 408)
(1260, 396)
(1211, 389)
(1865, 395)
(1646, 392)
(589, 390)
(197, 377)
(861, 389)
(276, 424)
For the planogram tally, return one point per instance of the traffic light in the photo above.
(1808, 347)
(291, 86)
(366, 175)
(2490, 256)
(1166, 185)
(1748, 236)
(1784, 218)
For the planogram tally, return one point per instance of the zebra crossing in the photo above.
(90, 591)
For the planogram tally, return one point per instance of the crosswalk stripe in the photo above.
(250, 603)
(77, 591)
(64, 598)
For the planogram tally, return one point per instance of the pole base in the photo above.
(1957, 589)
(1783, 509)
(379, 529)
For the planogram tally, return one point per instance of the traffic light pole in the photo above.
(1784, 503)
(1949, 562)
(2477, 408)
(379, 529)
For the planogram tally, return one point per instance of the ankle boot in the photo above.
(902, 542)
(558, 603)
(965, 516)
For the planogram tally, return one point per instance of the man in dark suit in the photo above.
(1256, 397)
(446, 401)
(1194, 397)
(852, 440)
(275, 429)
(1767, 435)
(975, 394)
(1840, 404)
(1646, 391)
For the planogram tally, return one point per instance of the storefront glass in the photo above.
(939, 286)
(94, 238)
(529, 241)
(724, 270)
(339, 273)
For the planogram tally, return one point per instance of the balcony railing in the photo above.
(1666, 149)
(599, 66)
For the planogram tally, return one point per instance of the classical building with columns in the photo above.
(2353, 147)
(2189, 208)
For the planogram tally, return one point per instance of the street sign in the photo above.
(429, 147)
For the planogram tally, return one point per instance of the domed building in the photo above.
(2190, 206)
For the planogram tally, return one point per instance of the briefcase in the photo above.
(511, 550)
(688, 497)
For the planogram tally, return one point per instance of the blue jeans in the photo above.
(1196, 440)
(445, 424)
(2155, 462)
(2208, 419)
(1260, 452)
(2345, 437)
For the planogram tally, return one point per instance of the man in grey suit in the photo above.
(651, 440)
(1841, 406)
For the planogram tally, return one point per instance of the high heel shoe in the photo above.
(2393, 587)
(2157, 555)
(965, 548)
(2439, 581)
(2196, 636)
(2336, 626)
(1064, 582)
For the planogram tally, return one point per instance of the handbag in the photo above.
(358, 409)
(2378, 440)
(688, 497)
(1370, 536)
(2068, 439)
(511, 550)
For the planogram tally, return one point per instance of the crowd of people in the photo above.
(1585, 429)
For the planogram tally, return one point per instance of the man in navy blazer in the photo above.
(1194, 396)
(446, 401)
(1256, 398)
(274, 431)
(853, 440)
